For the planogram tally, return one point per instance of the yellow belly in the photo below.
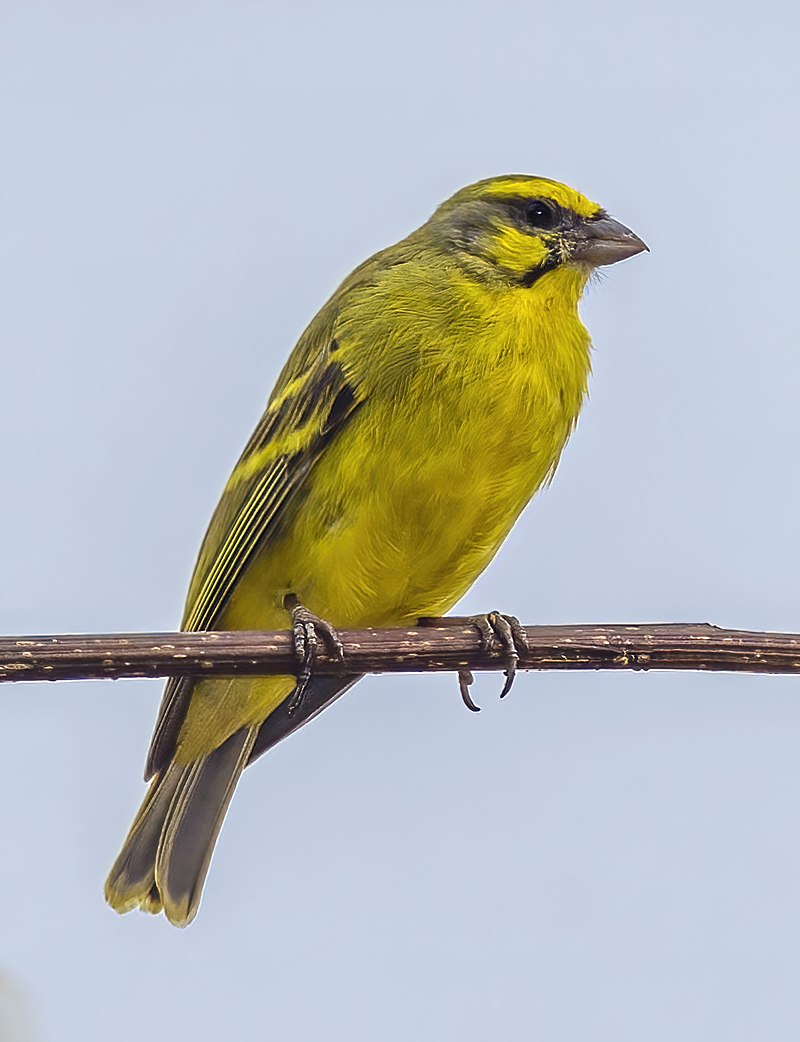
(404, 512)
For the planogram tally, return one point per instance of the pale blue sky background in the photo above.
(603, 858)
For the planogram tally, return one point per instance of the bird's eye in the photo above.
(540, 214)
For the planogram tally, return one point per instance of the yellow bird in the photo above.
(420, 411)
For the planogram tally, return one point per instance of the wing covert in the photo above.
(307, 410)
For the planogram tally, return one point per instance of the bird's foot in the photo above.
(507, 631)
(495, 629)
(307, 629)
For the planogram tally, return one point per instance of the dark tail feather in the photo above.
(131, 880)
(165, 857)
(192, 825)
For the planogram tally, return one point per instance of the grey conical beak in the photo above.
(605, 242)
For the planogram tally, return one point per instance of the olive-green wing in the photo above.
(309, 407)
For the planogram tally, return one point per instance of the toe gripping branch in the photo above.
(307, 628)
(497, 632)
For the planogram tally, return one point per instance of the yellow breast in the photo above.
(413, 500)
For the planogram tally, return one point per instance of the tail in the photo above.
(165, 857)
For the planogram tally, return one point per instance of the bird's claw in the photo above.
(307, 628)
(465, 680)
(507, 631)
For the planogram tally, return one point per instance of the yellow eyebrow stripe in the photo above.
(541, 188)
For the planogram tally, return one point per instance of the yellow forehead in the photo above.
(539, 188)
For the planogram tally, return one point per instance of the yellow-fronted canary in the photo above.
(421, 409)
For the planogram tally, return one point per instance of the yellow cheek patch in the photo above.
(542, 188)
(515, 251)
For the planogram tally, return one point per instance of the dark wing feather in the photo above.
(307, 410)
(320, 693)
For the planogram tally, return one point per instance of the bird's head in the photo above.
(519, 228)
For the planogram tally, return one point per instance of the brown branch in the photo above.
(417, 649)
